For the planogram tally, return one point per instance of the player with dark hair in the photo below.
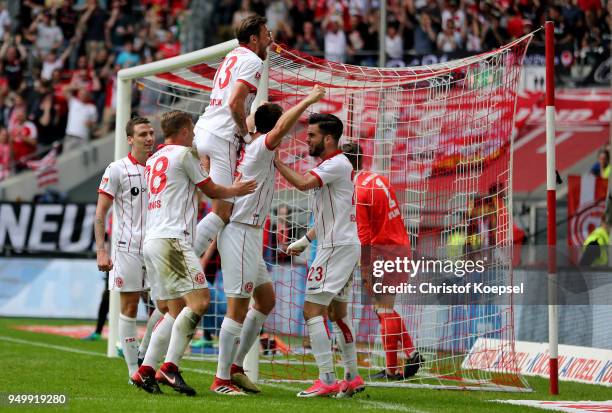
(379, 222)
(330, 275)
(245, 274)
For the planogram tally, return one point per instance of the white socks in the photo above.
(343, 330)
(129, 342)
(206, 232)
(160, 338)
(182, 332)
(229, 339)
(320, 343)
(144, 344)
(250, 332)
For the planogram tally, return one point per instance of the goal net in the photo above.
(442, 136)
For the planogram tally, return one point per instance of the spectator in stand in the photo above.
(308, 40)
(494, 35)
(82, 117)
(602, 167)
(242, 13)
(300, 14)
(53, 62)
(17, 103)
(425, 37)
(394, 46)
(5, 153)
(119, 26)
(94, 23)
(278, 21)
(335, 41)
(170, 47)
(514, 24)
(5, 19)
(473, 40)
(13, 59)
(356, 37)
(23, 137)
(453, 12)
(449, 40)
(563, 35)
(48, 120)
(67, 19)
(45, 34)
(127, 57)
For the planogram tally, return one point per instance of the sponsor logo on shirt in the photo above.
(199, 278)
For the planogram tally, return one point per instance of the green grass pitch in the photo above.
(35, 363)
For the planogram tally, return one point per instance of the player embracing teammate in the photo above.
(330, 275)
(241, 245)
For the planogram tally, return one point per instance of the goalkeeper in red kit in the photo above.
(379, 222)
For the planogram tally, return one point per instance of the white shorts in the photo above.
(173, 267)
(242, 263)
(222, 154)
(330, 275)
(128, 274)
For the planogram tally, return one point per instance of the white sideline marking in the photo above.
(373, 404)
(45, 345)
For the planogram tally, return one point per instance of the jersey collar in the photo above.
(134, 160)
(331, 155)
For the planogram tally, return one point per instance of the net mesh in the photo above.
(442, 135)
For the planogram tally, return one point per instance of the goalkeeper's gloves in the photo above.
(298, 246)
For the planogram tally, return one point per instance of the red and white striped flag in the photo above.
(46, 169)
(586, 202)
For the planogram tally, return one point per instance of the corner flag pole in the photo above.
(551, 204)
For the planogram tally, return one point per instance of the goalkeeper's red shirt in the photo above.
(379, 219)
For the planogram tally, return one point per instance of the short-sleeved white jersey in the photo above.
(333, 204)
(257, 164)
(124, 182)
(173, 173)
(240, 65)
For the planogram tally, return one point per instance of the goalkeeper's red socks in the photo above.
(393, 332)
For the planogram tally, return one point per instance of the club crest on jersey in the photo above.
(199, 278)
(118, 282)
(257, 75)
(248, 287)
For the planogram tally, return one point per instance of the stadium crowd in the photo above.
(59, 58)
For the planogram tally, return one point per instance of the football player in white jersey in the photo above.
(241, 244)
(123, 187)
(173, 175)
(221, 129)
(330, 275)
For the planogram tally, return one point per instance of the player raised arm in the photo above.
(239, 188)
(288, 119)
(105, 202)
(303, 182)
